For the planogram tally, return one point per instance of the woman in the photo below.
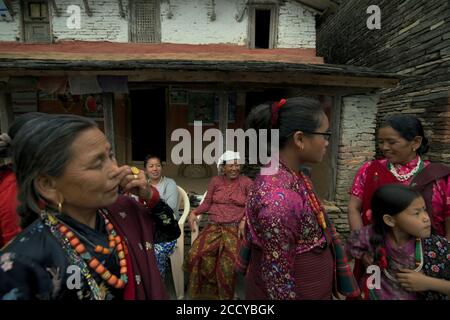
(402, 141)
(212, 256)
(294, 247)
(82, 240)
(168, 192)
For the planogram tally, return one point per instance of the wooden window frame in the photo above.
(131, 24)
(274, 14)
(26, 19)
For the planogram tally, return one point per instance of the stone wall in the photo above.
(356, 146)
(414, 42)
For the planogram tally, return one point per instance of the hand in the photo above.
(367, 259)
(241, 230)
(412, 280)
(136, 184)
(193, 221)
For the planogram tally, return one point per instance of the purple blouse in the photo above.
(282, 223)
(401, 257)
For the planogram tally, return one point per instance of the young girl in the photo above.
(414, 264)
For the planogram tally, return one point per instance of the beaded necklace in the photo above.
(79, 256)
(418, 255)
(404, 177)
(317, 207)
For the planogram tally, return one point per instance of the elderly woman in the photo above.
(213, 254)
(82, 240)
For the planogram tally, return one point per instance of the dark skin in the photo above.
(91, 179)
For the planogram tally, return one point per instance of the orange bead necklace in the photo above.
(115, 241)
(317, 207)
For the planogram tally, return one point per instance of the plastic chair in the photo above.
(196, 230)
(177, 257)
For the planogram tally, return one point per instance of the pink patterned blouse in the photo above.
(441, 188)
(282, 223)
(225, 199)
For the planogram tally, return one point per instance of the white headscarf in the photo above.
(227, 156)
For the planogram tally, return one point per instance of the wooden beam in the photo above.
(9, 7)
(108, 114)
(87, 8)
(6, 112)
(121, 11)
(55, 8)
(284, 78)
(334, 147)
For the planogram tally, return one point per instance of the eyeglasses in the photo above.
(326, 135)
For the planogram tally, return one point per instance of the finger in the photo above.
(406, 270)
(135, 183)
(120, 171)
(124, 178)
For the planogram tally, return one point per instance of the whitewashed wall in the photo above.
(296, 26)
(190, 23)
(105, 24)
(10, 29)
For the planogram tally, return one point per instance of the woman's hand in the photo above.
(193, 221)
(413, 281)
(241, 230)
(134, 181)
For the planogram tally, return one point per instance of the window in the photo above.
(36, 21)
(37, 10)
(263, 21)
(145, 21)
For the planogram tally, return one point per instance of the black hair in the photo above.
(304, 114)
(409, 127)
(151, 156)
(43, 146)
(15, 127)
(389, 199)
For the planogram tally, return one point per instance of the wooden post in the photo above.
(108, 114)
(334, 147)
(6, 113)
(223, 117)
(121, 11)
(87, 8)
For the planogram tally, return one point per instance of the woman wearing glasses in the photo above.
(402, 141)
(293, 246)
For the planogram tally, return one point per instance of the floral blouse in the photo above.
(441, 189)
(282, 223)
(436, 258)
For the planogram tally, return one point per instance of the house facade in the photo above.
(143, 69)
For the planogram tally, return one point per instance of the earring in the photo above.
(60, 207)
(414, 149)
(302, 147)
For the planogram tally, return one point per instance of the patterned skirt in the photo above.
(211, 263)
(162, 252)
(313, 275)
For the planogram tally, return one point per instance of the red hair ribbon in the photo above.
(276, 106)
